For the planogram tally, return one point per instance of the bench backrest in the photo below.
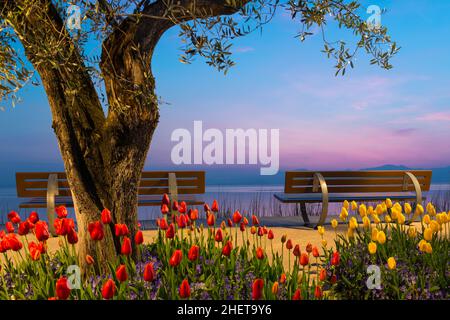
(34, 184)
(357, 181)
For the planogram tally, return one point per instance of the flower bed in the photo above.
(233, 259)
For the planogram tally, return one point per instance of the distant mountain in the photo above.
(389, 167)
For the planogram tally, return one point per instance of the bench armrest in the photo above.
(52, 191)
(418, 190)
(319, 181)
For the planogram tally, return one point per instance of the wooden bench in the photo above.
(337, 186)
(51, 189)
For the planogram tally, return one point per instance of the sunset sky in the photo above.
(367, 118)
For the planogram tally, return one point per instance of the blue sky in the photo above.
(367, 118)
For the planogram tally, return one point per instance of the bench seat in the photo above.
(341, 197)
(143, 201)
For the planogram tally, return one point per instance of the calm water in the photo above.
(247, 199)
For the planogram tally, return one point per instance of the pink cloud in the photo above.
(436, 116)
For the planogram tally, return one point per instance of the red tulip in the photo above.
(41, 231)
(33, 217)
(2, 234)
(121, 273)
(139, 237)
(164, 209)
(260, 253)
(63, 226)
(182, 208)
(175, 260)
(181, 221)
(304, 260)
(185, 289)
(309, 248)
(61, 212)
(149, 272)
(245, 221)
(257, 289)
(283, 278)
(219, 236)
(297, 295)
(335, 259)
(13, 243)
(175, 206)
(9, 227)
(62, 289)
(24, 228)
(315, 252)
(237, 217)
(318, 292)
(206, 207)
(270, 235)
(163, 224)
(170, 232)
(193, 253)
(193, 214)
(96, 230)
(253, 230)
(255, 220)
(289, 244)
(72, 236)
(36, 250)
(211, 220)
(14, 217)
(323, 275)
(296, 251)
(229, 222)
(165, 199)
(242, 227)
(121, 230)
(226, 251)
(260, 231)
(215, 206)
(265, 231)
(109, 289)
(126, 246)
(106, 216)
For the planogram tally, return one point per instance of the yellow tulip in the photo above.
(346, 205)
(366, 222)
(370, 210)
(374, 234)
(381, 237)
(324, 243)
(412, 231)
(354, 205)
(388, 203)
(428, 234)
(372, 247)
(321, 230)
(422, 245)
(344, 214)
(440, 218)
(431, 209)
(428, 248)
(434, 225)
(394, 213)
(398, 206)
(419, 209)
(391, 263)
(362, 210)
(408, 208)
(376, 219)
(401, 218)
(353, 223)
(379, 210)
(334, 223)
(426, 219)
(387, 218)
(384, 207)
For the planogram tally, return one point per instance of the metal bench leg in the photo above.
(173, 190)
(418, 192)
(304, 214)
(52, 191)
